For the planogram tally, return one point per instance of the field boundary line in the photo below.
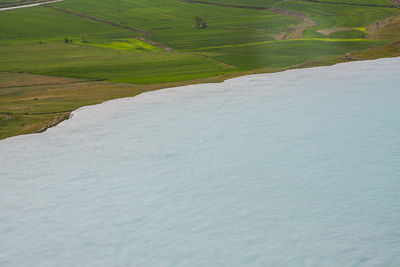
(153, 43)
(217, 61)
(275, 41)
(100, 20)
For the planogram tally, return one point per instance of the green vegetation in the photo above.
(108, 49)
(81, 61)
(200, 22)
(31, 103)
(8, 3)
(328, 16)
(34, 24)
(286, 53)
(362, 2)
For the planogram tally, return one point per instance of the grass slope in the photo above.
(79, 61)
(28, 25)
(237, 41)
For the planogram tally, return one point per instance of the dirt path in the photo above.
(30, 5)
(219, 62)
(295, 33)
(150, 42)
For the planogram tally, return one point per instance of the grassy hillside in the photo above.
(122, 48)
(81, 61)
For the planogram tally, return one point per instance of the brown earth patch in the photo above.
(297, 31)
(5, 116)
(388, 28)
(396, 2)
(52, 122)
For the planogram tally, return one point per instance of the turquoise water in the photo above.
(299, 168)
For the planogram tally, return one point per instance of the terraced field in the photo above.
(148, 44)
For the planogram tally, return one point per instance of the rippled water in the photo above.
(299, 168)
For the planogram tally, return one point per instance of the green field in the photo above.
(141, 45)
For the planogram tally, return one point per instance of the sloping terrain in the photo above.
(146, 43)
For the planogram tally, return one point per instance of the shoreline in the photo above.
(21, 115)
(212, 80)
(289, 164)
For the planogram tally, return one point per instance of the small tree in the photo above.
(200, 22)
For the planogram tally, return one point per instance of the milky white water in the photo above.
(299, 168)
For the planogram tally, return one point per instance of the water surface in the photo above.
(299, 168)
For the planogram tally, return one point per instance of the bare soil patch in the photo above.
(297, 31)
(387, 28)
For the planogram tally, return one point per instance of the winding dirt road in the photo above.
(30, 5)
